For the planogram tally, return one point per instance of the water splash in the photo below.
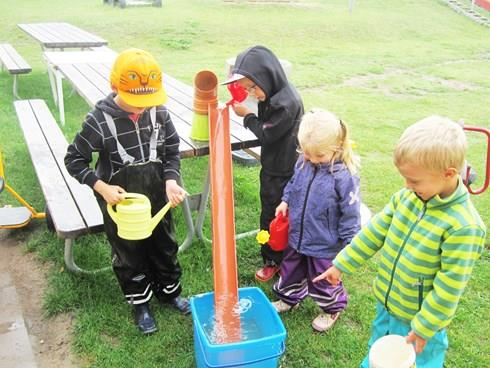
(247, 325)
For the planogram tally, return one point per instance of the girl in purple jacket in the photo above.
(323, 204)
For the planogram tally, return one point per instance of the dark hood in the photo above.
(261, 66)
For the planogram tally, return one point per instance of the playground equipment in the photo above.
(233, 332)
(133, 216)
(15, 217)
(486, 181)
(124, 3)
(227, 323)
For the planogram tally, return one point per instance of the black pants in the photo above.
(147, 266)
(271, 188)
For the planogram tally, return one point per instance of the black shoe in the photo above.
(181, 304)
(144, 319)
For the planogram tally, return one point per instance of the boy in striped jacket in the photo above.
(429, 236)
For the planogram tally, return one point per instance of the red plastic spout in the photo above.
(238, 93)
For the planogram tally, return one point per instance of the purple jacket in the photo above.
(324, 208)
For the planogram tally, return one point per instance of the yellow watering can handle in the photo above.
(134, 195)
(114, 214)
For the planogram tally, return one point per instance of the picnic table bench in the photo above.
(11, 60)
(71, 208)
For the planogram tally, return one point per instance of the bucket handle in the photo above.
(283, 349)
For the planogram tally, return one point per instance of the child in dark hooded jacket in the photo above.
(280, 109)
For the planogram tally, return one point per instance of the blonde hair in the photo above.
(321, 131)
(435, 143)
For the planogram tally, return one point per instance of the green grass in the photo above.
(381, 68)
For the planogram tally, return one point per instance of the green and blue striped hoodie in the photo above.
(428, 250)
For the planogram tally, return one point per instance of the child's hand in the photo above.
(241, 109)
(332, 275)
(112, 194)
(175, 193)
(412, 337)
(283, 208)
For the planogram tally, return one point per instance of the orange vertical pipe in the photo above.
(227, 319)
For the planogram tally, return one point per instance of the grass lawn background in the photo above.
(380, 68)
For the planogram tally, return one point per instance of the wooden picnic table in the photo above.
(88, 73)
(61, 36)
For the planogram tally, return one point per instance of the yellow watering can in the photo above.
(133, 216)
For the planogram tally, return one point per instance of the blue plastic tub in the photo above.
(263, 346)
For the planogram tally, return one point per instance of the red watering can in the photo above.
(278, 230)
(238, 93)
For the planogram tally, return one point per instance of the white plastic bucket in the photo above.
(392, 351)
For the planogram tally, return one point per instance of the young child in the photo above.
(280, 109)
(429, 235)
(138, 151)
(322, 199)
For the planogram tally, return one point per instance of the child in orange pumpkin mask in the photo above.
(138, 151)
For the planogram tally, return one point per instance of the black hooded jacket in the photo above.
(276, 125)
(95, 136)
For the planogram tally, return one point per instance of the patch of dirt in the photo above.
(50, 337)
(381, 83)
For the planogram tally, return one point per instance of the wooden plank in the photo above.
(12, 61)
(61, 35)
(71, 57)
(84, 87)
(81, 194)
(78, 35)
(66, 217)
(38, 34)
(92, 75)
(55, 32)
(64, 33)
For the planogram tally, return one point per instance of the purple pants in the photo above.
(294, 285)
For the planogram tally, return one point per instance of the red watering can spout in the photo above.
(238, 93)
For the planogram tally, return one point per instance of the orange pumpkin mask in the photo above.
(137, 79)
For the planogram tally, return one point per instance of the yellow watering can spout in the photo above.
(159, 216)
(133, 216)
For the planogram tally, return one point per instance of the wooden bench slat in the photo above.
(61, 35)
(38, 33)
(12, 60)
(82, 194)
(87, 90)
(93, 77)
(65, 215)
(56, 32)
(80, 34)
